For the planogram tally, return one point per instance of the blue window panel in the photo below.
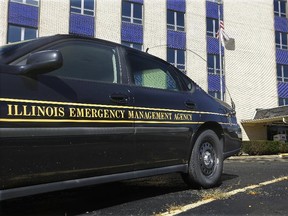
(179, 5)
(24, 15)
(176, 40)
(283, 90)
(212, 9)
(282, 56)
(132, 32)
(214, 82)
(281, 24)
(82, 25)
(213, 46)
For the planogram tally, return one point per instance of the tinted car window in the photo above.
(149, 73)
(10, 48)
(88, 61)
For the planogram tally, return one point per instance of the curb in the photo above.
(283, 156)
(243, 157)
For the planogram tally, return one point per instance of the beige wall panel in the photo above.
(54, 17)
(3, 21)
(108, 20)
(155, 29)
(257, 132)
(196, 42)
(251, 68)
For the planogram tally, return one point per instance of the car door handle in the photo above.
(119, 98)
(190, 105)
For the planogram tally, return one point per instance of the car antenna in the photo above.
(163, 45)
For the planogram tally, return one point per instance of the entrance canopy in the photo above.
(267, 123)
(278, 115)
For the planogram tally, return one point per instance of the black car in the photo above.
(78, 111)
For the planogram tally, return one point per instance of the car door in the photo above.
(72, 121)
(163, 112)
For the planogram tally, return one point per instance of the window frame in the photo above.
(281, 74)
(215, 94)
(131, 18)
(25, 2)
(133, 45)
(175, 58)
(22, 32)
(215, 27)
(174, 26)
(216, 60)
(279, 9)
(282, 101)
(282, 36)
(82, 8)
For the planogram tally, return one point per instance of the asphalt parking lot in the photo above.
(250, 186)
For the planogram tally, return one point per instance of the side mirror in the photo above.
(42, 62)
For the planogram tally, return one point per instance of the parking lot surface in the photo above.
(250, 186)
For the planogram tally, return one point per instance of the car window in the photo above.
(88, 61)
(151, 73)
(10, 49)
(188, 83)
(85, 60)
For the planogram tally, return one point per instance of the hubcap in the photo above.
(207, 158)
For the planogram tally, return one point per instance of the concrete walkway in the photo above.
(259, 157)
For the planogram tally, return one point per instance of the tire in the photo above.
(206, 161)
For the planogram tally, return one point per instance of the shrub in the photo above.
(264, 147)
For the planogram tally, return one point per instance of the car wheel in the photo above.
(206, 161)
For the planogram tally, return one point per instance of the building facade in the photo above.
(182, 32)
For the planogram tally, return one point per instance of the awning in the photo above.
(278, 115)
(272, 120)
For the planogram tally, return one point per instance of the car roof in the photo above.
(42, 41)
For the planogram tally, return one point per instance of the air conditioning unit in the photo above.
(280, 137)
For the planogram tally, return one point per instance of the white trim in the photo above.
(25, 2)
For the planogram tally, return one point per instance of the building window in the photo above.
(131, 12)
(137, 46)
(84, 7)
(281, 40)
(20, 33)
(215, 94)
(213, 64)
(282, 73)
(176, 57)
(175, 20)
(28, 2)
(280, 8)
(212, 27)
(283, 101)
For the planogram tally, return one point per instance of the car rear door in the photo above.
(163, 113)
